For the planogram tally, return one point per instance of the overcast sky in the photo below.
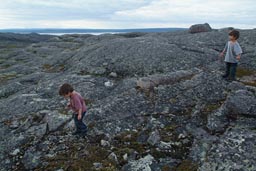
(126, 13)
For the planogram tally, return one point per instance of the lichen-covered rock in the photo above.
(154, 138)
(156, 80)
(133, 85)
(235, 151)
(142, 164)
(31, 159)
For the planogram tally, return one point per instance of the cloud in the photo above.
(126, 13)
(193, 11)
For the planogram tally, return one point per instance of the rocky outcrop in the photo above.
(199, 28)
(156, 101)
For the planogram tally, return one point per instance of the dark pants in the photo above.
(231, 70)
(80, 126)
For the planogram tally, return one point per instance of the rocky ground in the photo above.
(156, 102)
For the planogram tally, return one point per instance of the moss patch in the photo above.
(88, 102)
(128, 140)
(166, 168)
(241, 72)
(84, 72)
(7, 76)
(187, 165)
(208, 109)
(63, 111)
(76, 159)
(250, 83)
(212, 107)
(51, 69)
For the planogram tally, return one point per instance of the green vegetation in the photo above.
(253, 84)
(208, 109)
(241, 72)
(51, 69)
(47, 66)
(187, 165)
(2, 61)
(11, 46)
(63, 111)
(212, 107)
(81, 159)
(166, 168)
(88, 102)
(7, 76)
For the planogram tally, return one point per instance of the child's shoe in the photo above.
(224, 76)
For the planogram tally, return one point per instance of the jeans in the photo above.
(231, 70)
(80, 126)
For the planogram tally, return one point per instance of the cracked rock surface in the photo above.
(156, 101)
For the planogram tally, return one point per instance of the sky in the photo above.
(125, 14)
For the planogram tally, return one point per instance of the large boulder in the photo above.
(242, 102)
(198, 28)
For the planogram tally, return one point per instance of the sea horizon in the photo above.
(58, 32)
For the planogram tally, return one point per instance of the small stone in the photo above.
(154, 138)
(104, 143)
(108, 84)
(14, 124)
(97, 165)
(7, 161)
(60, 170)
(133, 155)
(15, 152)
(105, 64)
(113, 74)
(113, 157)
(142, 164)
(127, 137)
(31, 159)
(181, 136)
(125, 156)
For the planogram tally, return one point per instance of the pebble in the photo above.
(113, 157)
(125, 156)
(98, 165)
(15, 152)
(109, 84)
(113, 74)
(104, 143)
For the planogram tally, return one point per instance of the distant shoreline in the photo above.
(86, 31)
(92, 33)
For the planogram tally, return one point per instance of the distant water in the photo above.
(93, 33)
(86, 31)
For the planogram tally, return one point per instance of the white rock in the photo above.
(60, 170)
(104, 143)
(125, 157)
(113, 157)
(142, 164)
(113, 74)
(15, 124)
(97, 165)
(15, 152)
(108, 84)
(154, 138)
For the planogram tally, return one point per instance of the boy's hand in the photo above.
(79, 116)
(238, 57)
(222, 54)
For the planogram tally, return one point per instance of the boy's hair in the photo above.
(234, 33)
(65, 89)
